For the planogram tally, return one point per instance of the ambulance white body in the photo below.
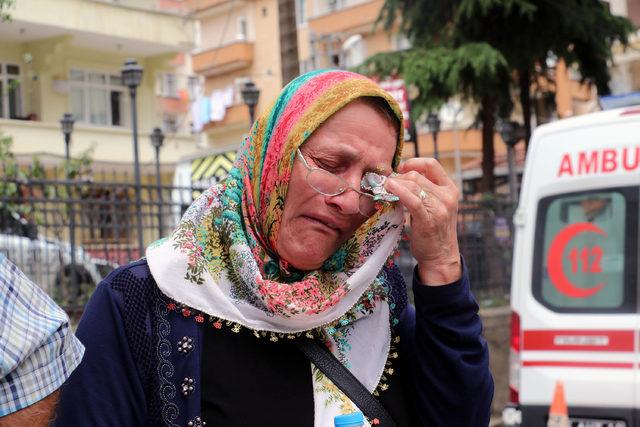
(574, 298)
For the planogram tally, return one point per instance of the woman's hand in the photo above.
(426, 190)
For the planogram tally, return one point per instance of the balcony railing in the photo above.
(224, 59)
(345, 16)
(171, 6)
(237, 114)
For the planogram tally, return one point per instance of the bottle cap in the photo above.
(348, 420)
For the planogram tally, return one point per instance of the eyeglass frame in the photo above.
(342, 190)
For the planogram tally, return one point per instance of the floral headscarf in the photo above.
(221, 260)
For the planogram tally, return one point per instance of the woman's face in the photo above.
(355, 140)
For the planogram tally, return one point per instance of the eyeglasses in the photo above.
(330, 184)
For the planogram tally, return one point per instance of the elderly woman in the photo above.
(294, 246)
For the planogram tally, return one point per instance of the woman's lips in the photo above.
(325, 224)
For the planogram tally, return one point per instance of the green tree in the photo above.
(20, 182)
(4, 6)
(483, 49)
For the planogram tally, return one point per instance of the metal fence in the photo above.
(485, 241)
(67, 235)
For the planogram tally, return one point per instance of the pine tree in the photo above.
(482, 49)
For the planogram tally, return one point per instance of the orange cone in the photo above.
(558, 414)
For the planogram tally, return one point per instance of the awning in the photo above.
(208, 170)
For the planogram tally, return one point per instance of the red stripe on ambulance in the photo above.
(569, 364)
(577, 340)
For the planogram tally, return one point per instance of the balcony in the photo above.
(348, 18)
(110, 144)
(237, 115)
(224, 59)
(202, 5)
(124, 27)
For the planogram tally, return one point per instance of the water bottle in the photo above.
(354, 419)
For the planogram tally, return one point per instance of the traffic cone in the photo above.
(558, 414)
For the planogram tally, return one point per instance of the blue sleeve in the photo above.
(447, 356)
(106, 389)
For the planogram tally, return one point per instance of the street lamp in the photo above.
(433, 121)
(131, 74)
(67, 129)
(511, 133)
(250, 96)
(157, 138)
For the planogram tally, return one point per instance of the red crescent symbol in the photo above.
(554, 260)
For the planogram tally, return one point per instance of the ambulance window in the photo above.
(586, 250)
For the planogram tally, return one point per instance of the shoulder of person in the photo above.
(134, 274)
(131, 286)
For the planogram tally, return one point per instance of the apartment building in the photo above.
(625, 69)
(238, 42)
(66, 55)
(342, 33)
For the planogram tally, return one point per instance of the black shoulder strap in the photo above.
(331, 367)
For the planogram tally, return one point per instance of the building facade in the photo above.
(66, 56)
(238, 42)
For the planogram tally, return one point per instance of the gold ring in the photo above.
(422, 195)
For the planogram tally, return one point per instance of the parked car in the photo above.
(48, 261)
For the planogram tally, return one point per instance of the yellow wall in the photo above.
(109, 19)
(221, 29)
(110, 144)
(52, 60)
(264, 70)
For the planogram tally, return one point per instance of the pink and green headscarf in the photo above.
(229, 234)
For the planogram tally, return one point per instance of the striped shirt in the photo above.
(38, 350)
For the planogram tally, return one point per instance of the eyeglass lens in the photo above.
(331, 185)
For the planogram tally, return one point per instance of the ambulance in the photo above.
(574, 298)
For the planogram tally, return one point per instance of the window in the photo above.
(170, 123)
(400, 42)
(107, 214)
(168, 85)
(97, 98)
(242, 28)
(10, 92)
(194, 85)
(354, 51)
(586, 250)
(301, 12)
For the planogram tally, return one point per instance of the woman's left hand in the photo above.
(431, 197)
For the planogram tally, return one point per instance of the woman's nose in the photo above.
(347, 202)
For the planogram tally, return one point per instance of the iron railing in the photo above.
(485, 239)
(66, 235)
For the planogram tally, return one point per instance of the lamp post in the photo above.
(67, 129)
(511, 133)
(131, 74)
(157, 138)
(250, 96)
(66, 123)
(433, 121)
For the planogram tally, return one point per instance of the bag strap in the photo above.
(331, 367)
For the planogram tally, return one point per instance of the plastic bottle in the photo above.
(354, 419)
